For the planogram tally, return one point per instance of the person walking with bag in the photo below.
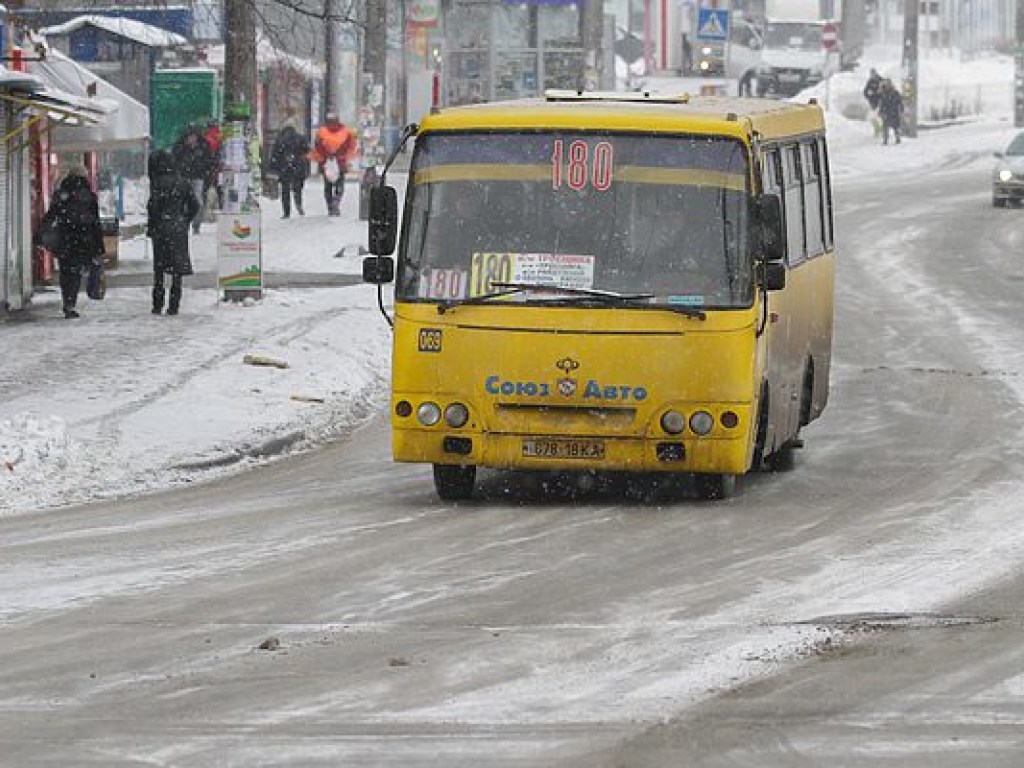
(890, 107)
(334, 148)
(71, 231)
(288, 160)
(171, 208)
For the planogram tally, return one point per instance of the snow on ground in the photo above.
(121, 401)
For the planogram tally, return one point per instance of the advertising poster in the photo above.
(239, 255)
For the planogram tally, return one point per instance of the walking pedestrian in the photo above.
(71, 231)
(194, 162)
(334, 148)
(171, 208)
(872, 92)
(288, 159)
(872, 89)
(890, 108)
(214, 139)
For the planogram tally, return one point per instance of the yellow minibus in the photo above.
(608, 282)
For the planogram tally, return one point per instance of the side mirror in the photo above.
(770, 243)
(383, 220)
(774, 276)
(378, 270)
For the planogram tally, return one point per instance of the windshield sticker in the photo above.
(693, 300)
(443, 284)
(555, 269)
(559, 270)
(580, 165)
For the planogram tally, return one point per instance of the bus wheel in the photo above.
(783, 460)
(454, 483)
(715, 486)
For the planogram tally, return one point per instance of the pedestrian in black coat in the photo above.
(872, 89)
(288, 159)
(890, 109)
(74, 216)
(195, 163)
(172, 206)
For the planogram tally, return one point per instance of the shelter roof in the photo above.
(137, 31)
(126, 122)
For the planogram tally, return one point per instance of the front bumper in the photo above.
(1008, 190)
(668, 454)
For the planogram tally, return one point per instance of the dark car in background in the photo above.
(1008, 175)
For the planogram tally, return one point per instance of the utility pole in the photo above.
(374, 101)
(1018, 69)
(593, 32)
(910, 10)
(240, 54)
(374, 74)
(330, 57)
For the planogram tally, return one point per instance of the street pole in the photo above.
(330, 58)
(910, 11)
(374, 102)
(1018, 69)
(240, 54)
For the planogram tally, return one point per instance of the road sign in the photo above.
(712, 24)
(829, 36)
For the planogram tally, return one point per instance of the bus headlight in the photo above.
(456, 415)
(673, 422)
(428, 413)
(701, 422)
(1005, 175)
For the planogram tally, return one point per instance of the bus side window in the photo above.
(826, 188)
(813, 199)
(771, 172)
(796, 247)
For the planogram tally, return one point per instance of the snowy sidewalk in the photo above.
(122, 401)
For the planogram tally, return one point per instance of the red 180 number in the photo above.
(578, 165)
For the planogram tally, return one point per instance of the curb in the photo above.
(275, 446)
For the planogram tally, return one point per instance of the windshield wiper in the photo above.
(483, 298)
(580, 295)
(574, 295)
(592, 293)
(510, 289)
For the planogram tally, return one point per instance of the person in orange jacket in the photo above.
(214, 138)
(334, 149)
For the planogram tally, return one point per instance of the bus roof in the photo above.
(635, 111)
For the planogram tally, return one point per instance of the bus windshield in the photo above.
(661, 219)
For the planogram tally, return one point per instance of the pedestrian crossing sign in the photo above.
(712, 24)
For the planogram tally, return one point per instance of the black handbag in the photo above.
(96, 281)
(51, 236)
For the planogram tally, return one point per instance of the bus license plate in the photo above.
(563, 449)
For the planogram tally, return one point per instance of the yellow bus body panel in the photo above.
(598, 375)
